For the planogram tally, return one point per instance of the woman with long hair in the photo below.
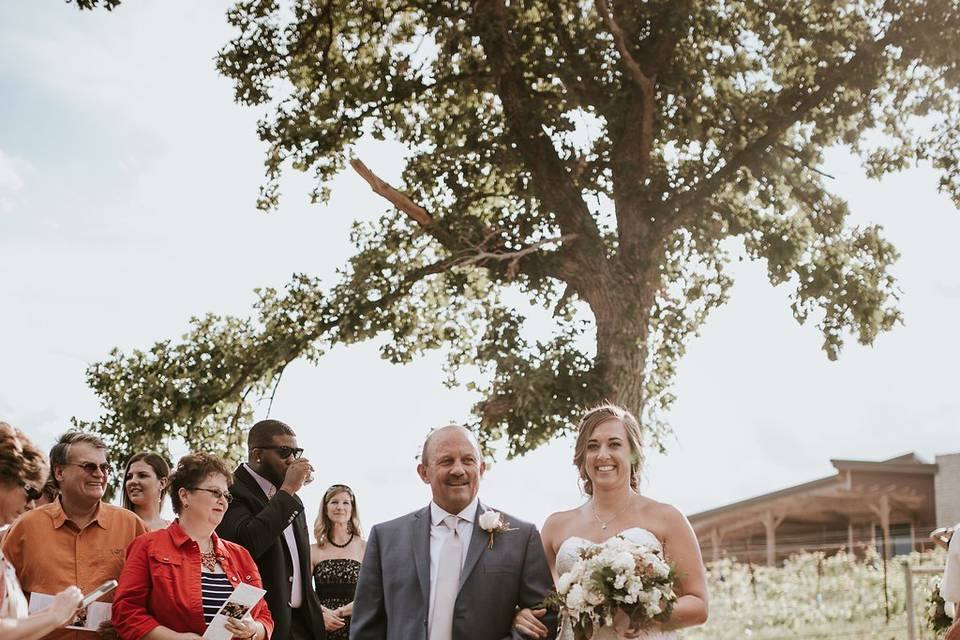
(23, 470)
(608, 455)
(145, 482)
(335, 558)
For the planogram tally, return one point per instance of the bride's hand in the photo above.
(527, 622)
(621, 624)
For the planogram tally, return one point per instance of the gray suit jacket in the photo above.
(393, 593)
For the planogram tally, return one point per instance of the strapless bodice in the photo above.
(569, 553)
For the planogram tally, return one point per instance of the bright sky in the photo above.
(127, 186)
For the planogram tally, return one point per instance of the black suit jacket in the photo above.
(257, 524)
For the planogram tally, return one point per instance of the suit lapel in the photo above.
(421, 550)
(478, 543)
(243, 476)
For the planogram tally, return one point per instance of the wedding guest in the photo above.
(77, 540)
(145, 486)
(267, 517)
(48, 493)
(176, 579)
(455, 568)
(22, 470)
(608, 455)
(336, 557)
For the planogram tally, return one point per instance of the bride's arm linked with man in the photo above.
(460, 570)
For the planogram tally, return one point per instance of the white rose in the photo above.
(563, 584)
(575, 598)
(490, 520)
(594, 597)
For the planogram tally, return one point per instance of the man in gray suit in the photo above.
(434, 575)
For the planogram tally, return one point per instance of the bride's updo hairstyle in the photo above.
(590, 420)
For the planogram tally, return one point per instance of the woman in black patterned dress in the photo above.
(336, 557)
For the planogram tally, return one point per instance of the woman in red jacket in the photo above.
(176, 579)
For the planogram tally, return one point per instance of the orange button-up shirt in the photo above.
(50, 553)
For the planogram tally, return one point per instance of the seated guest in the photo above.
(335, 558)
(22, 470)
(145, 486)
(76, 540)
(176, 579)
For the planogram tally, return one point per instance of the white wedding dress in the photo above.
(568, 554)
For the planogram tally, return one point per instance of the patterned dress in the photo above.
(336, 581)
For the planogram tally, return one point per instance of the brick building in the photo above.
(891, 505)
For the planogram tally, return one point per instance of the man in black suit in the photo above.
(267, 518)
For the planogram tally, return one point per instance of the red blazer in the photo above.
(160, 583)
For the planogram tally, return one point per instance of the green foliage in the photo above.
(595, 157)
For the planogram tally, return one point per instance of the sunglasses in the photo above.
(286, 452)
(32, 492)
(216, 493)
(91, 467)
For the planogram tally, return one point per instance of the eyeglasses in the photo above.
(32, 492)
(91, 467)
(216, 493)
(285, 452)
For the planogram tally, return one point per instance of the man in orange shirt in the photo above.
(77, 539)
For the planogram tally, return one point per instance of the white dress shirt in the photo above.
(439, 533)
(296, 589)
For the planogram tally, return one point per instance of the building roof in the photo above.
(832, 488)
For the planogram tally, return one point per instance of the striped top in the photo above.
(215, 588)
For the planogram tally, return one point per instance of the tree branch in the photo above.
(791, 108)
(631, 150)
(475, 253)
(552, 182)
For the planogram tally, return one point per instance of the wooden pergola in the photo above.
(845, 510)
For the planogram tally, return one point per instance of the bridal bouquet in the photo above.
(618, 574)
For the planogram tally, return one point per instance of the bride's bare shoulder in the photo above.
(660, 511)
(559, 522)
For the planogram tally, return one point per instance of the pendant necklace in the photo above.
(604, 524)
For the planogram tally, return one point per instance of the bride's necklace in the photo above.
(605, 523)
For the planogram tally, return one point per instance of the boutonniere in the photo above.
(492, 522)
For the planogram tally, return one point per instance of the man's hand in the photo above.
(299, 473)
(527, 622)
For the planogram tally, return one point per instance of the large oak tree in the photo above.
(594, 156)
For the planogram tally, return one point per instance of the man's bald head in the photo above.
(438, 433)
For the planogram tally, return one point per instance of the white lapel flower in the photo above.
(492, 522)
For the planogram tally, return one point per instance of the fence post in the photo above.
(911, 622)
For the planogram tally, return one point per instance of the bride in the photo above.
(609, 457)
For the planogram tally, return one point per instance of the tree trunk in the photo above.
(622, 329)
